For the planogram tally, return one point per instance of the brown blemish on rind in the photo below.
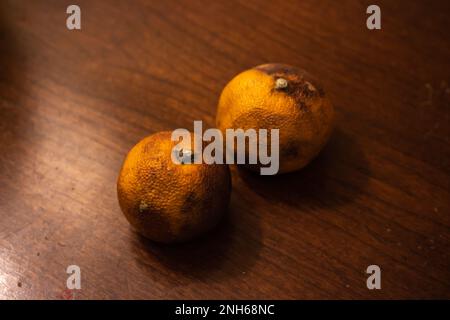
(291, 150)
(300, 85)
(189, 203)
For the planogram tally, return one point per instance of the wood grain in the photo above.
(72, 103)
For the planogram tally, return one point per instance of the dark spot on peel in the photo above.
(320, 91)
(301, 85)
(292, 150)
(189, 203)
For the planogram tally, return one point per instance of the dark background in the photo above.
(72, 103)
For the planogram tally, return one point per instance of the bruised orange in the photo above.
(279, 96)
(166, 201)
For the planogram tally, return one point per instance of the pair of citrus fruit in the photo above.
(169, 202)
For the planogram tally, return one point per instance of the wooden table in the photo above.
(72, 103)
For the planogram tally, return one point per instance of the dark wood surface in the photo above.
(72, 103)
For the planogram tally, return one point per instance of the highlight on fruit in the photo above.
(241, 147)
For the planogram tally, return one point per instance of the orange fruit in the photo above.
(169, 202)
(279, 96)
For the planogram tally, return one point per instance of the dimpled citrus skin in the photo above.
(168, 202)
(297, 107)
